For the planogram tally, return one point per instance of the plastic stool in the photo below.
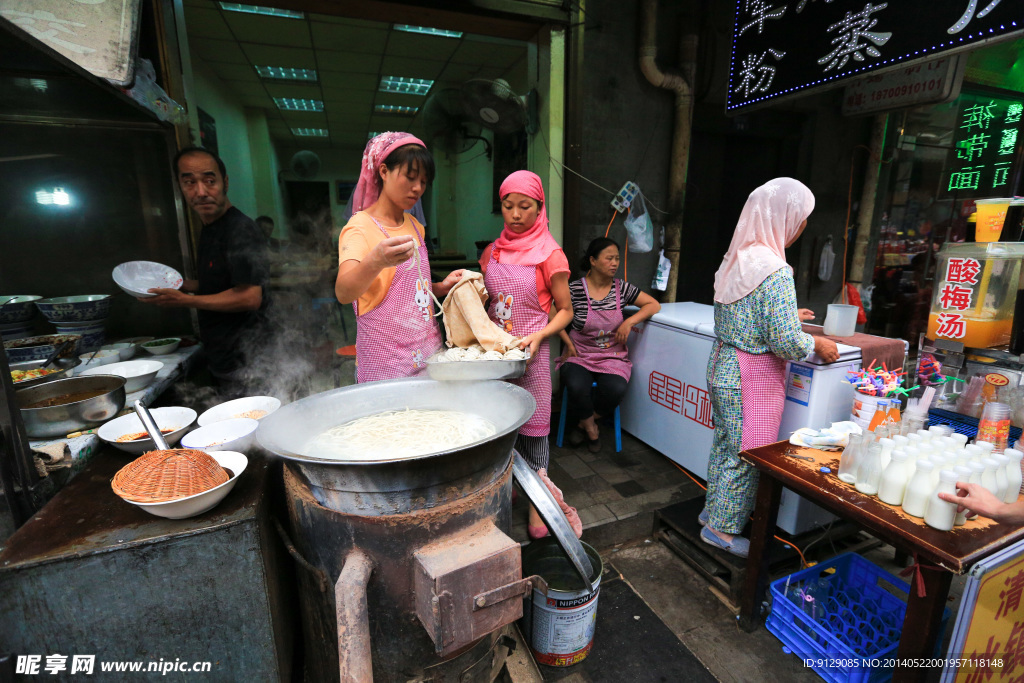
(561, 421)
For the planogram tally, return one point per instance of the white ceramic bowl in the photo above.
(101, 358)
(235, 434)
(201, 502)
(138, 277)
(135, 340)
(125, 350)
(170, 347)
(174, 418)
(139, 373)
(236, 408)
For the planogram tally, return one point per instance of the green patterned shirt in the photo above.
(761, 322)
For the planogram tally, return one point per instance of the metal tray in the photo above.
(470, 370)
(65, 364)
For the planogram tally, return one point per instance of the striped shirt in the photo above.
(627, 292)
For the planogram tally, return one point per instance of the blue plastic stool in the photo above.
(561, 422)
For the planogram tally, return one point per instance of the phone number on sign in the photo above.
(893, 662)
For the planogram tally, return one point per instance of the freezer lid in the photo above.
(847, 353)
(687, 315)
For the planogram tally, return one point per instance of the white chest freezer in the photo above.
(667, 404)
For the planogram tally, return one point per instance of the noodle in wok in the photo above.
(400, 434)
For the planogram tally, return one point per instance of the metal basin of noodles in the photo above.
(379, 486)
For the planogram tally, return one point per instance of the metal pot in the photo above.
(64, 418)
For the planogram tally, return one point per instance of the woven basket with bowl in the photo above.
(160, 476)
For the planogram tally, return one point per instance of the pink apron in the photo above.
(395, 339)
(763, 392)
(515, 306)
(595, 343)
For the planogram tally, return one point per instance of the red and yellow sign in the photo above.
(994, 648)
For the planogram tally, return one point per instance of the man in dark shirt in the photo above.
(232, 266)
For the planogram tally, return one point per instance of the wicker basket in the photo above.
(160, 476)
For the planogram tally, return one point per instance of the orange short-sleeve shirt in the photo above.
(358, 238)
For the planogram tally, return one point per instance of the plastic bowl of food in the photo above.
(236, 434)
(18, 309)
(190, 506)
(139, 373)
(160, 347)
(125, 350)
(61, 309)
(255, 407)
(173, 423)
(138, 277)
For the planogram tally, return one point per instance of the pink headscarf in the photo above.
(535, 244)
(377, 150)
(770, 218)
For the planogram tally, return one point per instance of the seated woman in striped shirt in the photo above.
(594, 346)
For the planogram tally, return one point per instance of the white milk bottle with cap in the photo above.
(894, 479)
(939, 461)
(977, 469)
(1013, 474)
(940, 513)
(925, 434)
(915, 498)
(888, 445)
(914, 439)
(973, 452)
(988, 477)
(1001, 482)
(870, 471)
(963, 474)
(986, 448)
(900, 442)
(849, 461)
(912, 455)
(940, 430)
(961, 439)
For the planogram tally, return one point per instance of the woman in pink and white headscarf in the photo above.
(526, 274)
(383, 267)
(757, 325)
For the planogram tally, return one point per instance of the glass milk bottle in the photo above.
(1013, 474)
(963, 474)
(988, 477)
(1001, 482)
(869, 473)
(912, 455)
(973, 452)
(961, 439)
(914, 438)
(919, 488)
(925, 435)
(940, 513)
(901, 442)
(894, 479)
(986, 448)
(888, 445)
(851, 457)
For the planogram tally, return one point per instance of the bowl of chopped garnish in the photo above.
(31, 373)
(160, 347)
(128, 434)
(255, 407)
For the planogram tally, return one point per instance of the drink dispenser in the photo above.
(975, 292)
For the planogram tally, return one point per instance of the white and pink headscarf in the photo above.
(535, 244)
(771, 218)
(377, 150)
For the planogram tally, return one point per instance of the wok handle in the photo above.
(355, 663)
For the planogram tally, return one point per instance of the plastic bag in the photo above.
(639, 228)
(825, 261)
(660, 281)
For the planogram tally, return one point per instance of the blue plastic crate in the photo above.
(962, 424)
(855, 613)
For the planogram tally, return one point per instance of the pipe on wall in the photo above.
(682, 86)
(355, 662)
(866, 213)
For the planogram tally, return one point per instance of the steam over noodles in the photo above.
(399, 434)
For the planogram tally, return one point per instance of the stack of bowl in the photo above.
(16, 316)
(85, 315)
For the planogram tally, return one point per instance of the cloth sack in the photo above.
(51, 457)
(466, 321)
(830, 438)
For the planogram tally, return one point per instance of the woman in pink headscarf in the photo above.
(395, 327)
(526, 274)
(758, 328)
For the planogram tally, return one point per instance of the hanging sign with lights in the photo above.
(984, 161)
(787, 48)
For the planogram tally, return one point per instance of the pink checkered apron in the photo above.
(763, 391)
(595, 343)
(396, 338)
(527, 317)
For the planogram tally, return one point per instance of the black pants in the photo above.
(582, 404)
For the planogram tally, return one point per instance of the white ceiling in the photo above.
(350, 56)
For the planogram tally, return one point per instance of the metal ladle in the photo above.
(150, 424)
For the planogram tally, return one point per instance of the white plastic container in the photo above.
(963, 474)
(919, 489)
(840, 320)
(894, 479)
(1013, 475)
(869, 473)
(941, 514)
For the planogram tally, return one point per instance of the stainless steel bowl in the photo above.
(473, 370)
(62, 419)
(65, 365)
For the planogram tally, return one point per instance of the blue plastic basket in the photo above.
(855, 613)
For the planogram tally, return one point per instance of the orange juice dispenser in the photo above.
(975, 292)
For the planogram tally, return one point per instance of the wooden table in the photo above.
(939, 554)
